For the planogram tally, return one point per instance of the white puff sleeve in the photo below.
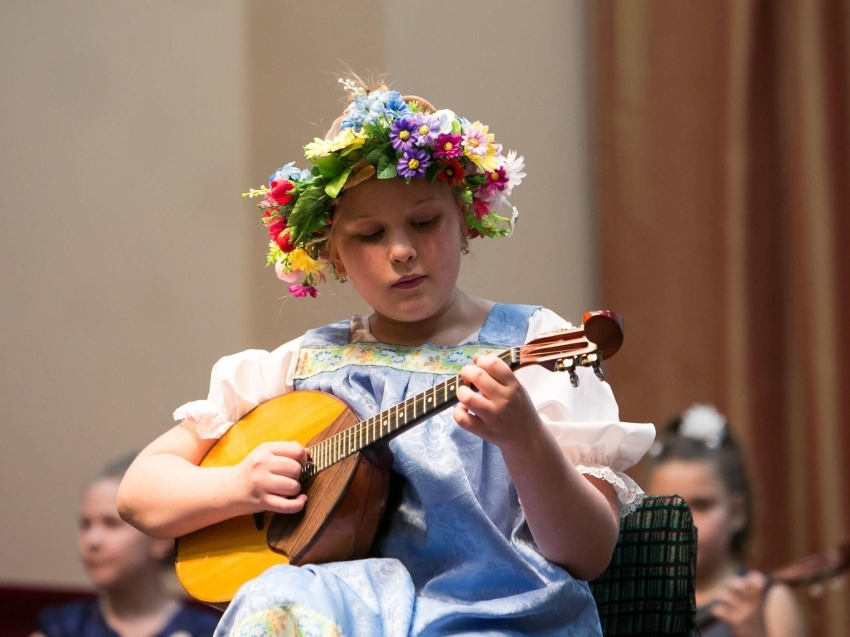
(239, 383)
(585, 420)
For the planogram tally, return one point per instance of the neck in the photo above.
(143, 595)
(457, 319)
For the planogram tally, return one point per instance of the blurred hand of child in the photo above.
(268, 477)
(741, 605)
(501, 412)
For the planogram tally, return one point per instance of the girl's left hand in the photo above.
(741, 605)
(503, 411)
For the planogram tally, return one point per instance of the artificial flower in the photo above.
(513, 171)
(343, 141)
(413, 163)
(401, 134)
(282, 273)
(281, 191)
(448, 146)
(299, 290)
(427, 128)
(477, 139)
(451, 173)
(300, 260)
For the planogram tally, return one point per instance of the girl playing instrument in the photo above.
(397, 190)
(697, 458)
(125, 567)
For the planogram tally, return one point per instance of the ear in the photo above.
(162, 550)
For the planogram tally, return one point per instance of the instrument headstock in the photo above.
(598, 338)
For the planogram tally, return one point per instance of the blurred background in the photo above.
(687, 167)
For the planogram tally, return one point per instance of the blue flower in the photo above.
(396, 106)
(291, 173)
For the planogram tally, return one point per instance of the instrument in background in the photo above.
(347, 479)
(810, 572)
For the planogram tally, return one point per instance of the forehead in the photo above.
(378, 196)
(686, 477)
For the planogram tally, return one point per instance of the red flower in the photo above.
(281, 191)
(282, 240)
(451, 173)
(480, 207)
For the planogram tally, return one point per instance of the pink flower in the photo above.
(302, 290)
(497, 179)
(480, 207)
(289, 277)
(280, 191)
(448, 146)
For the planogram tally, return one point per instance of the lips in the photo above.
(409, 281)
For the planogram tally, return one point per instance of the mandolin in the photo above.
(347, 477)
(809, 571)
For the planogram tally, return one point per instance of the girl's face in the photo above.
(112, 551)
(400, 246)
(718, 514)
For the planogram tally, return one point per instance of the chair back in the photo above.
(648, 589)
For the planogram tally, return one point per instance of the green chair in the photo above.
(648, 589)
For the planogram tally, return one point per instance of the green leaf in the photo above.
(330, 166)
(386, 168)
(374, 157)
(334, 187)
(475, 180)
(455, 127)
(309, 206)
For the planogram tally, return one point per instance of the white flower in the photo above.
(705, 423)
(513, 171)
(446, 118)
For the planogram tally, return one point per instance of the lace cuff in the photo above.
(629, 494)
(204, 418)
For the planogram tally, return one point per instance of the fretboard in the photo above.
(390, 421)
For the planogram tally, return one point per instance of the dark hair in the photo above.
(117, 468)
(726, 457)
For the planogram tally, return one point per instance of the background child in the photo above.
(126, 568)
(697, 458)
(397, 191)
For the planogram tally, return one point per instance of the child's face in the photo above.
(112, 551)
(400, 246)
(718, 514)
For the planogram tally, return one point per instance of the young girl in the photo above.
(397, 190)
(697, 458)
(125, 567)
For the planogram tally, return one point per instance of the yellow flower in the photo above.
(487, 162)
(299, 260)
(347, 140)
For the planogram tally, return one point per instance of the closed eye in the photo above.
(425, 224)
(372, 236)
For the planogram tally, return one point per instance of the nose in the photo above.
(401, 248)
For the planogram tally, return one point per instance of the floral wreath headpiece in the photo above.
(387, 135)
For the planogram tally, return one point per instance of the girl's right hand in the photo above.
(268, 477)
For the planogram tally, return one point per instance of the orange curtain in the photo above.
(722, 152)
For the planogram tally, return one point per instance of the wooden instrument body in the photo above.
(345, 503)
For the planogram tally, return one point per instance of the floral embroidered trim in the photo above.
(287, 621)
(629, 496)
(427, 358)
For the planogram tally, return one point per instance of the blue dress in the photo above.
(457, 557)
(84, 619)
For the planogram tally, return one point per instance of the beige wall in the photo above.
(128, 261)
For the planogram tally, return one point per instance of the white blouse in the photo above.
(584, 420)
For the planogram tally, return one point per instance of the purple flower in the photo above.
(448, 146)
(427, 129)
(413, 163)
(401, 134)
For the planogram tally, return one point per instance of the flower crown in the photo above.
(386, 135)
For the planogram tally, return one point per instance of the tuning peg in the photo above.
(573, 376)
(597, 369)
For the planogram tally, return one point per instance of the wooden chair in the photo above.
(648, 589)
